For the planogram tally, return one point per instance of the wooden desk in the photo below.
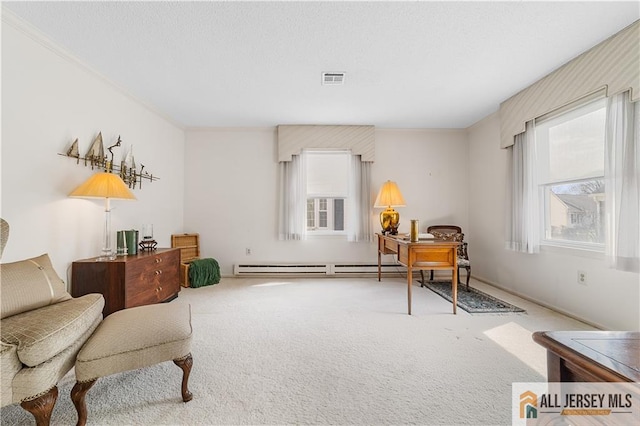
(591, 356)
(422, 255)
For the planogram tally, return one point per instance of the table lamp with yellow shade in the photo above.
(389, 197)
(108, 186)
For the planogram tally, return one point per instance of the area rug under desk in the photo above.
(473, 301)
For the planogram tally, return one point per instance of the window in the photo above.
(327, 190)
(570, 158)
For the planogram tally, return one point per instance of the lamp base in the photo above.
(389, 220)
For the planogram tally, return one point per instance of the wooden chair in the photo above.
(451, 233)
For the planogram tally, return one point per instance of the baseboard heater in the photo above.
(314, 269)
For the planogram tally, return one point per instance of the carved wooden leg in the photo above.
(468, 277)
(185, 364)
(78, 393)
(422, 282)
(42, 406)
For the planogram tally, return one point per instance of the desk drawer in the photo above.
(389, 246)
(435, 257)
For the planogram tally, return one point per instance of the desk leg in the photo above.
(454, 290)
(409, 278)
(379, 262)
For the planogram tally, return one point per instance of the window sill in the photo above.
(327, 235)
(572, 250)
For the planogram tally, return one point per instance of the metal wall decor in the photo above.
(96, 158)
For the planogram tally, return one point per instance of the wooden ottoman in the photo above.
(131, 339)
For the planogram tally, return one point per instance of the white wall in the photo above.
(231, 194)
(48, 100)
(610, 299)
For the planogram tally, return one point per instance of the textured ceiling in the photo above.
(407, 64)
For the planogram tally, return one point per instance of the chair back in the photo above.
(445, 229)
(450, 233)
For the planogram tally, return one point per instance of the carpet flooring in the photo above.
(327, 351)
(473, 301)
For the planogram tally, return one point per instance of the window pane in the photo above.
(327, 173)
(571, 146)
(311, 214)
(570, 153)
(338, 214)
(322, 219)
(576, 211)
(327, 176)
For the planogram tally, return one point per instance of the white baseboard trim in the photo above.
(541, 303)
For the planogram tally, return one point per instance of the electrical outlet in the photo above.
(248, 251)
(582, 277)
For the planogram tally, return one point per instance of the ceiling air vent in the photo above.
(333, 78)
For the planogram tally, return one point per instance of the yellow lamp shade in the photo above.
(103, 185)
(389, 196)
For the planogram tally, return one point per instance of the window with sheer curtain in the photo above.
(325, 192)
(570, 167)
(575, 182)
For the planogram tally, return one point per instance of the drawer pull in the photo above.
(158, 272)
(158, 260)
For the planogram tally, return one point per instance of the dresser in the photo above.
(141, 279)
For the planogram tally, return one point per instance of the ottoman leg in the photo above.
(185, 364)
(42, 406)
(78, 393)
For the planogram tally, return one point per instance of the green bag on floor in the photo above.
(204, 272)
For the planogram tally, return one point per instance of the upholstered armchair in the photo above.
(42, 329)
(452, 233)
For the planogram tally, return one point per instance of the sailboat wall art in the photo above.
(96, 158)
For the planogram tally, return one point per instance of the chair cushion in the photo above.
(32, 382)
(30, 284)
(41, 334)
(463, 262)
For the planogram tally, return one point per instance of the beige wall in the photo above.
(610, 299)
(48, 100)
(231, 192)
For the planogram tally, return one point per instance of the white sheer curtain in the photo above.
(524, 228)
(359, 208)
(622, 189)
(293, 199)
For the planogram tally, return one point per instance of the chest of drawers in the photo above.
(128, 281)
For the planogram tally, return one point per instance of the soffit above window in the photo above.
(613, 65)
(292, 139)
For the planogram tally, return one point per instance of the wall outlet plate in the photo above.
(582, 277)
